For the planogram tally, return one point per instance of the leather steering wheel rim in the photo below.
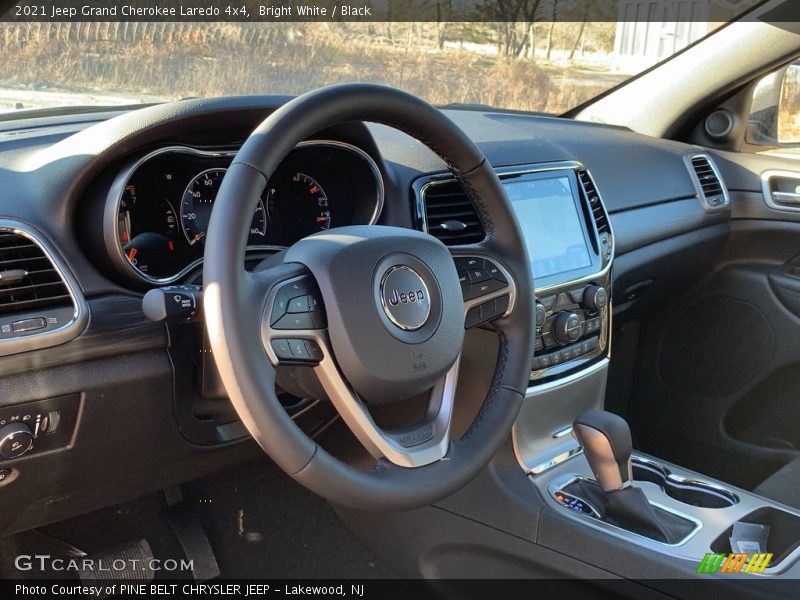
(232, 301)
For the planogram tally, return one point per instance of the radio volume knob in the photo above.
(15, 440)
(595, 298)
(567, 327)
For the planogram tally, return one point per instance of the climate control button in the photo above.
(567, 327)
(595, 298)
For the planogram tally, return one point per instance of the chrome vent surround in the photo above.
(710, 187)
(599, 213)
(449, 214)
(40, 301)
(28, 279)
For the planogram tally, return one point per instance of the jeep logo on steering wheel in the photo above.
(405, 298)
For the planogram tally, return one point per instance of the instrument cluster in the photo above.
(159, 206)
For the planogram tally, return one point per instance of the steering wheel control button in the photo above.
(487, 311)
(299, 351)
(15, 440)
(298, 305)
(295, 321)
(301, 304)
(296, 351)
(405, 298)
(478, 276)
(314, 351)
(495, 272)
(282, 349)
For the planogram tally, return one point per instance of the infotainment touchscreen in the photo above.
(547, 211)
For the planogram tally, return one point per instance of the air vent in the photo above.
(713, 192)
(450, 215)
(28, 280)
(598, 210)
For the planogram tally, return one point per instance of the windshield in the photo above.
(535, 65)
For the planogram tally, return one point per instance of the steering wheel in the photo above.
(377, 311)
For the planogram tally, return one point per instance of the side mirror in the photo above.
(775, 109)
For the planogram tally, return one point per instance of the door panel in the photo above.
(717, 379)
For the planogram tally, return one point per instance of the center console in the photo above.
(686, 516)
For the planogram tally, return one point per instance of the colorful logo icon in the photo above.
(734, 563)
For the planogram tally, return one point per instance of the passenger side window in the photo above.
(775, 110)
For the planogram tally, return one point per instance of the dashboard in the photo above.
(159, 205)
(122, 201)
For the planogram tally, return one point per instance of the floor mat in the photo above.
(261, 524)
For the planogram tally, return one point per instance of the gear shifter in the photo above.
(606, 441)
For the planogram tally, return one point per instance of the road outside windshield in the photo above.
(540, 55)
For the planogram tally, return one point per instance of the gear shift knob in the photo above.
(606, 442)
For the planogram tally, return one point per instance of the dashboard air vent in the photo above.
(28, 280)
(450, 215)
(710, 183)
(598, 211)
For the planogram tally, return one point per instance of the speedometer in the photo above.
(198, 200)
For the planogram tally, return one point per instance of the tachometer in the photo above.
(298, 206)
(198, 200)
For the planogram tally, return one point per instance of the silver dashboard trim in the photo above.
(111, 233)
(687, 159)
(766, 177)
(80, 314)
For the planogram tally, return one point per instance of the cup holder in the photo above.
(689, 491)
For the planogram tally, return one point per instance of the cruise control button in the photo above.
(478, 275)
(295, 321)
(463, 278)
(469, 262)
(487, 287)
(494, 271)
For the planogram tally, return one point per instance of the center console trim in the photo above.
(714, 521)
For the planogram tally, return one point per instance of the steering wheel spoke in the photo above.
(421, 444)
(487, 287)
